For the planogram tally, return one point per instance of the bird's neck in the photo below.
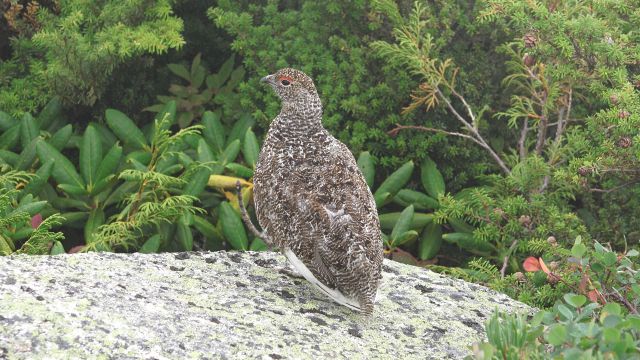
(301, 117)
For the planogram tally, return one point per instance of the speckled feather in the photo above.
(311, 198)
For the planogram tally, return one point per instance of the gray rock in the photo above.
(226, 306)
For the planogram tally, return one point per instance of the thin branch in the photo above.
(396, 130)
(522, 142)
(505, 261)
(247, 221)
(562, 123)
(624, 301)
(474, 132)
(616, 188)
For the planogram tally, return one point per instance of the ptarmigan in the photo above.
(312, 201)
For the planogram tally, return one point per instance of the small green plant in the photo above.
(416, 220)
(191, 99)
(22, 230)
(597, 318)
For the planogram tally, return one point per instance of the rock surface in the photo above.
(226, 306)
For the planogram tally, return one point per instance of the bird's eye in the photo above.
(285, 82)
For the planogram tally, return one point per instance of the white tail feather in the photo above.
(334, 294)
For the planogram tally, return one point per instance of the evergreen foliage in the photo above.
(77, 47)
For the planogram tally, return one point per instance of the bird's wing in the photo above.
(338, 232)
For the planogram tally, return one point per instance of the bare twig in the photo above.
(396, 130)
(616, 188)
(522, 142)
(624, 301)
(505, 261)
(474, 132)
(247, 221)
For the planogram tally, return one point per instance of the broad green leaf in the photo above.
(110, 162)
(205, 227)
(125, 129)
(28, 155)
(403, 224)
(9, 157)
(397, 180)
(180, 70)
(168, 110)
(232, 227)
(197, 182)
(10, 138)
(366, 166)
(240, 128)
(102, 184)
(57, 248)
(63, 172)
(213, 131)
(557, 334)
(250, 148)
(50, 113)
(230, 153)
(258, 245)
(430, 241)
(389, 220)
(6, 121)
(90, 154)
(381, 199)
(420, 201)
(61, 137)
(223, 74)
(566, 312)
(41, 177)
(431, 177)
(141, 156)
(30, 207)
(578, 250)
(404, 238)
(6, 245)
(240, 170)
(73, 189)
(29, 129)
(205, 154)
(95, 220)
(185, 237)
(460, 225)
(575, 300)
(151, 246)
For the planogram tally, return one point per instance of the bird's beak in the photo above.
(268, 79)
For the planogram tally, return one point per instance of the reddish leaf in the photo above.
(593, 296)
(531, 264)
(582, 286)
(544, 267)
(36, 220)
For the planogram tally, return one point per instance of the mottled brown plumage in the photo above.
(312, 201)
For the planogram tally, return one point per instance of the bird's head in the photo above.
(292, 86)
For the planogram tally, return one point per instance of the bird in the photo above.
(311, 199)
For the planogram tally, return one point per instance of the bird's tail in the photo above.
(335, 294)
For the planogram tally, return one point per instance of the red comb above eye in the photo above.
(284, 77)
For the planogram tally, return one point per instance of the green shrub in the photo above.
(78, 46)
(598, 319)
(362, 97)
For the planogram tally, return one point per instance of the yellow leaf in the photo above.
(226, 182)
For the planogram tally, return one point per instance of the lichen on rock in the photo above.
(227, 305)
